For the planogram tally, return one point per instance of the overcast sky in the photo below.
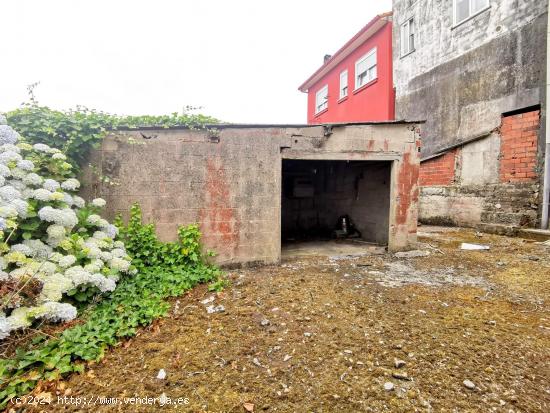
(242, 61)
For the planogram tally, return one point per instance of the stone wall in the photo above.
(228, 179)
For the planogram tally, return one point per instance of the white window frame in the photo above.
(319, 107)
(405, 37)
(344, 88)
(470, 14)
(375, 66)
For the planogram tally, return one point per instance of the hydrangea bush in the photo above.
(55, 250)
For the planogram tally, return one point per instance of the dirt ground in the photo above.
(324, 334)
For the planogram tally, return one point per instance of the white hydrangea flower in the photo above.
(9, 156)
(48, 267)
(25, 165)
(99, 202)
(78, 202)
(56, 196)
(41, 194)
(56, 256)
(93, 252)
(51, 185)
(70, 184)
(55, 285)
(22, 207)
(19, 318)
(118, 252)
(100, 235)
(9, 193)
(8, 135)
(18, 173)
(17, 184)
(68, 199)
(56, 231)
(3, 121)
(67, 261)
(3, 224)
(39, 249)
(119, 264)
(53, 311)
(119, 244)
(9, 147)
(105, 256)
(2, 181)
(92, 268)
(65, 217)
(103, 224)
(23, 249)
(33, 179)
(3, 264)
(93, 219)
(5, 171)
(59, 156)
(4, 326)
(8, 211)
(111, 230)
(4, 275)
(41, 147)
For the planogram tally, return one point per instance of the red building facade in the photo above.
(356, 83)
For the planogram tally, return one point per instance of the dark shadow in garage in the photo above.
(342, 201)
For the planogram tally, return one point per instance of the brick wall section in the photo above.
(518, 153)
(439, 171)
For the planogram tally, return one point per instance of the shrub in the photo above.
(56, 251)
(137, 301)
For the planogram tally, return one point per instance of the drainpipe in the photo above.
(546, 188)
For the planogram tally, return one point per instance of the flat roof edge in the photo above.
(264, 125)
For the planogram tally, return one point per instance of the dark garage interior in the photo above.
(324, 200)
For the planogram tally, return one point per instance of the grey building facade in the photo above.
(465, 66)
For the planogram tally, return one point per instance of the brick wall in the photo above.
(518, 151)
(439, 171)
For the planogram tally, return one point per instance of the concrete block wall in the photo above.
(229, 179)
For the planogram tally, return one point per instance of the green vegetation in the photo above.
(164, 270)
(75, 132)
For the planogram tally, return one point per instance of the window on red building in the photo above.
(343, 84)
(365, 69)
(321, 99)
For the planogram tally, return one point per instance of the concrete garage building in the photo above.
(251, 187)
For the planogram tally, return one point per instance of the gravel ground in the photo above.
(454, 331)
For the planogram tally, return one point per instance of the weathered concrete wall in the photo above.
(462, 79)
(230, 183)
(494, 179)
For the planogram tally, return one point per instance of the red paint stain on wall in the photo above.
(406, 181)
(218, 220)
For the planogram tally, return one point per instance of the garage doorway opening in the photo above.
(336, 201)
